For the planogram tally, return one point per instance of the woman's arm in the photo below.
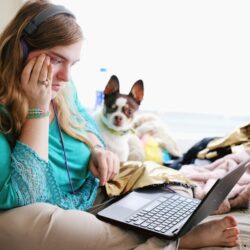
(104, 164)
(35, 132)
(25, 178)
(5, 154)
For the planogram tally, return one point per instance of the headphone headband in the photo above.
(52, 10)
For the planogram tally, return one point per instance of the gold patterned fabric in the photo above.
(135, 174)
(237, 141)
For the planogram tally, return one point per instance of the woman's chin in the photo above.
(53, 94)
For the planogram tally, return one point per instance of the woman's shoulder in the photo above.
(3, 139)
(4, 144)
(5, 151)
(5, 118)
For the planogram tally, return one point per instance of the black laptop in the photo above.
(159, 212)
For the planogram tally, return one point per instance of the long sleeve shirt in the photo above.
(25, 178)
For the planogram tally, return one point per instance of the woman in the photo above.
(52, 156)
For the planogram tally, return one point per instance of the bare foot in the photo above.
(223, 232)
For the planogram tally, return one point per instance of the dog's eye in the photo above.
(111, 108)
(128, 112)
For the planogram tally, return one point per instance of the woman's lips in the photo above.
(56, 87)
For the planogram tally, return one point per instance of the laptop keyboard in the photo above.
(164, 213)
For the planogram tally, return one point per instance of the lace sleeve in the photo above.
(32, 180)
(31, 177)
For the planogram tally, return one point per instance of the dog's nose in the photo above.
(118, 120)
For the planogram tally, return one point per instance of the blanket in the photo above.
(205, 176)
(136, 174)
(155, 138)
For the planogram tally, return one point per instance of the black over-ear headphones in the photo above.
(52, 10)
(31, 27)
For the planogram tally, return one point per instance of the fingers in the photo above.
(50, 73)
(104, 167)
(38, 69)
(44, 69)
(25, 76)
(45, 78)
(107, 165)
(103, 172)
(115, 168)
(110, 167)
(94, 170)
(36, 80)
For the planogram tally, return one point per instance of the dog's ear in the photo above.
(137, 91)
(112, 86)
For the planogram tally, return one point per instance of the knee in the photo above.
(22, 223)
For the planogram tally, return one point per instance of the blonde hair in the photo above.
(59, 30)
(63, 112)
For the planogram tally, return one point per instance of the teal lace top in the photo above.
(26, 178)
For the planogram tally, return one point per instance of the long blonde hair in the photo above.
(59, 30)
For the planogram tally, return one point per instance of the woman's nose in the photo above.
(64, 74)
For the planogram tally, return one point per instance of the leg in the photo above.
(223, 232)
(46, 227)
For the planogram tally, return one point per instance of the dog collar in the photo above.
(116, 132)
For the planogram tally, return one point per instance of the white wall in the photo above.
(193, 56)
(8, 9)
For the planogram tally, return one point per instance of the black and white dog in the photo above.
(116, 116)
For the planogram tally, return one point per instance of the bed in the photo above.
(144, 125)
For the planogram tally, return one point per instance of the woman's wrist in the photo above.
(99, 146)
(36, 113)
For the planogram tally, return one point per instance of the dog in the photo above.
(115, 119)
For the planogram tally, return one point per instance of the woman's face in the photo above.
(62, 58)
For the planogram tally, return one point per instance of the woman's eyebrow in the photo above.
(52, 53)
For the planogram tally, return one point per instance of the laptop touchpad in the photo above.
(133, 202)
(126, 207)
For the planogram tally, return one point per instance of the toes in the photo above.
(231, 242)
(231, 237)
(231, 232)
(229, 221)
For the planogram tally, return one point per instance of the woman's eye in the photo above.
(54, 60)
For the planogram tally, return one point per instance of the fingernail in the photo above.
(48, 60)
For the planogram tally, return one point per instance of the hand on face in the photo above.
(104, 165)
(36, 80)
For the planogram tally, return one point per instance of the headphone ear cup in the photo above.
(25, 49)
(52, 10)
